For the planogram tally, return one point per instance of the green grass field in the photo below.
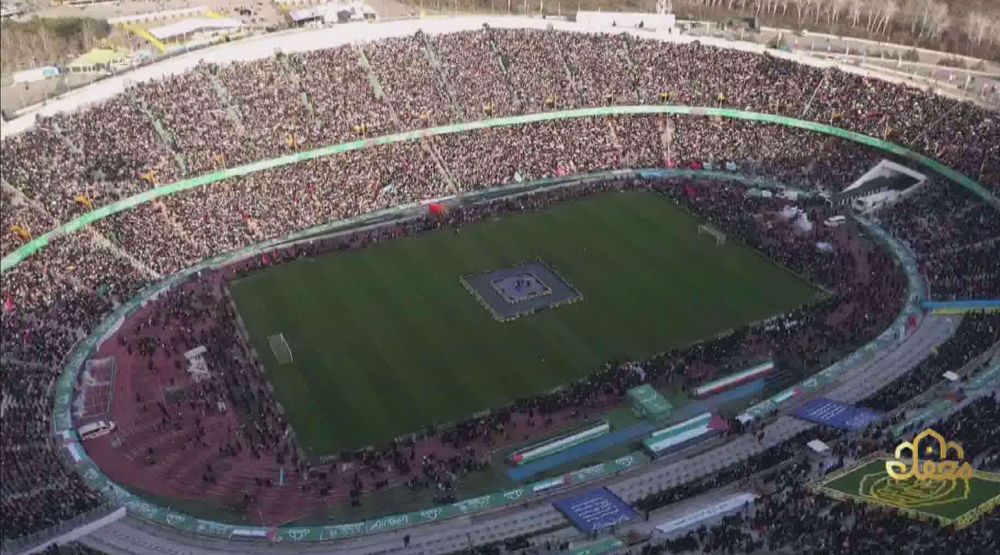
(386, 340)
(948, 500)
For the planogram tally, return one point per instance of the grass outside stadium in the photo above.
(387, 340)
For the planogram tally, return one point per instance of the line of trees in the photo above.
(964, 26)
(977, 24)
(47, 40)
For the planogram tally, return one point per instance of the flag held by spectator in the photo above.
(83, 201)
(437, 209)
(21, 232)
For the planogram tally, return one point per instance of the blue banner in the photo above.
(960, 307)
(596, 509)
(836, 414)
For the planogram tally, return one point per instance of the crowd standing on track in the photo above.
(216, 117)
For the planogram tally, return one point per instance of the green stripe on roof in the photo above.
(33, 246)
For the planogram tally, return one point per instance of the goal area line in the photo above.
(279, 347)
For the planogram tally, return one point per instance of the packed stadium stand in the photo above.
(218, 116)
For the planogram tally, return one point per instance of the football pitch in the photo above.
(959, 502)
(390, 339)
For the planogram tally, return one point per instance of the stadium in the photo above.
(500, 284)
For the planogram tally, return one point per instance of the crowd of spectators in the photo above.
(416, 91)
(201, 127)
(485, 91)
(798, 339)
(958, 239)
(975, 430)
(50, 301)
(791, 516)
(796, 519)
(220, 116)
(738, 472)
(72, 548)
(975, 334)
(337, 88)
(36, 489)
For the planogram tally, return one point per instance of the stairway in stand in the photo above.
(161, 130)
(425, 142)
(440, 77)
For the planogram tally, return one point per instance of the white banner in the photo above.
(728, 505)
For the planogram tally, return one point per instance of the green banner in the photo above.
(606, 545)
(16, 257)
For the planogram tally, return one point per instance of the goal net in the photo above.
(95, 390)
(720, 237)
(282, 352)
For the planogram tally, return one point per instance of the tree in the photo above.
(835, 8)
(799, 5)
(913, 10)
(854, 11)
(936, 22)
(889, 11)
(976, 25)
(873, 19)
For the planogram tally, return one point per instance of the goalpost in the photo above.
(720, 237)
(96, 388)
(282, 352)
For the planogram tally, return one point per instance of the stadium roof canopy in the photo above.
(188, 26)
